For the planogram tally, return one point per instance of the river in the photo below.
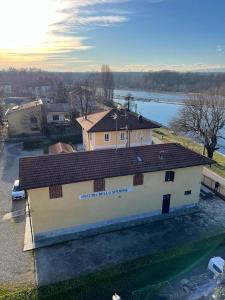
(163, 107)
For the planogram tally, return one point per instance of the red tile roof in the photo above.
(60, 148)
(104, 121)
(47, 170)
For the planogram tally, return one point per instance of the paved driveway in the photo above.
(70, 259)
(16, 266)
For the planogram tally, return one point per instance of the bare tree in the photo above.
(2, 110)
(129, 102)
(108, 84)
(202, 116)
(2, 119)
(83, 98)
(61, 93)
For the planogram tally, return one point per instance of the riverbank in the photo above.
(166, 135)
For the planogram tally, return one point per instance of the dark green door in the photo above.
(166, 204)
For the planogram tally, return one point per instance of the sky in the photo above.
(129, 35)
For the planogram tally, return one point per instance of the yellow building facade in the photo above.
(119, 139)
(25, 119)
(115, 129)
(71, 213)
(81, 191)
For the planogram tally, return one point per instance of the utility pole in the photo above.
(205, 142)
(115, 117)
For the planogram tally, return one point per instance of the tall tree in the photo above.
(61, 94)
(108, 84)
(203, 116)
(83, 98)
(2, 109)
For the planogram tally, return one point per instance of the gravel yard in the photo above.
(16, 266)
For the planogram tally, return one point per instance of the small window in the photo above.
(99, 185)
(187, 193)
(55, 191)
(169, 176)
(33, 120)
(55, 117)
(138, 179)
(122, 136)
(106, 137)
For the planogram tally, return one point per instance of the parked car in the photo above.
(17, 192)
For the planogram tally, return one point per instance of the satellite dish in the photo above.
(116, 297)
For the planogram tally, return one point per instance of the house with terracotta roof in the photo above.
(25, 119)
(80, 193)
(115, 128)
(60, 148)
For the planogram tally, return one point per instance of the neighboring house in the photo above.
(26, 119)
(115, 129)
(57, 112)
(39, 90)
(60, 148)
(82, 191)
(6, 88)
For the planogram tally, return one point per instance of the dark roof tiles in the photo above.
(44, 171)
(105, 121)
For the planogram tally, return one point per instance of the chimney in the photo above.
(140, 119)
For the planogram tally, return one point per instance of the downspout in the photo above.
(89, 144)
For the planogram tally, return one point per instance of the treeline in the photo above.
(172, 81)
(158, 81)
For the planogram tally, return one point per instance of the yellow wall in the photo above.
(49, 214)
(19, 121)
(96, 140)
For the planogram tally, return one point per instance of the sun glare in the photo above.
(25, 24)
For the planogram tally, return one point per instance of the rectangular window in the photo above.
(122, 136)
(99, 185)
(187, 192)
(55, 191)
(169, 176)
(55, 117)
(106, 137)
(138, 179)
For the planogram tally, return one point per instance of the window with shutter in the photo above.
(138, 179)
(99, 185)
(55, 191)
(169, 176)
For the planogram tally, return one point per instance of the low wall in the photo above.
(210, 183)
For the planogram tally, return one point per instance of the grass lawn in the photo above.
(135, 280)
(166, 135)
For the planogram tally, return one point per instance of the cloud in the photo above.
(53, 28)
(100, 20)
(219, 48)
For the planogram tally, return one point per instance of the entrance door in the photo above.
(166, 204)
